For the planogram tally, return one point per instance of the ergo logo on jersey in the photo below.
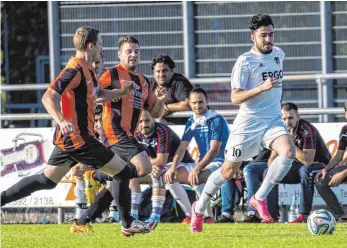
(275, 74)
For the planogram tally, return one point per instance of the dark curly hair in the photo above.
(260, 20)
(165, 59)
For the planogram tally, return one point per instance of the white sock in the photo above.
(277, 171)
(114, 211)
(80, 198)
(213, 184)
(198, 190)
(180, 195)
(135, 205)
(157, 207)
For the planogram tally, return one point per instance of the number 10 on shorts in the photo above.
(236, 152)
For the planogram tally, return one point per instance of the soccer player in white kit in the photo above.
(256, 84)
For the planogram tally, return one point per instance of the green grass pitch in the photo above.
(172, 235)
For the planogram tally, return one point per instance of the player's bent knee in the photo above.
(114, 166)
(144, 169)
(289, 152)
(229, 169)
(321, 183)
(142, 172)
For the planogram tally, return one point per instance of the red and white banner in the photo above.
(24, 152)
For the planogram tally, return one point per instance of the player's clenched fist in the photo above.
(161, 93)
(269, 83)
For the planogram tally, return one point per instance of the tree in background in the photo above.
(27, 38)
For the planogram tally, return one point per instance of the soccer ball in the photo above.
(321, 222)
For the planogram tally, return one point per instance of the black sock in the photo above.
(128, 172)
(101, 177)
(25, 187)
(122, 196)
(102, 201)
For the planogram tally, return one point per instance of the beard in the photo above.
(132, 68)
(263, 51)
(146, 131)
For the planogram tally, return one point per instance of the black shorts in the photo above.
(127, 148)
(93, 154)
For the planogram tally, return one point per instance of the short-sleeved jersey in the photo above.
(78, 87)
(343, 138)
(121, 116)
(308, 137)
(215, 128)
(163, 140)
(252, 69)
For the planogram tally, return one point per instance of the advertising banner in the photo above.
(24, 152)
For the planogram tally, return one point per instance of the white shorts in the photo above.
(190, 166)
(248, 135)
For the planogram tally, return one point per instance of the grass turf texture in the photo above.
(173, 235)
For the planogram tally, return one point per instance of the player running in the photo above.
(256, 84)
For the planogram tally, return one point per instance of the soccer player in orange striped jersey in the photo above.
(70, 100)
(121, 117)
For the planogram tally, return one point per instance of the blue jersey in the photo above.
(212, 126)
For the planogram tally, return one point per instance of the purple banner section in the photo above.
(22, 159)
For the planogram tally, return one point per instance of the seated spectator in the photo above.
(177, 85)
(311, 155)
(334, 174)
(160, 143)
(253, 175)
(210, 131)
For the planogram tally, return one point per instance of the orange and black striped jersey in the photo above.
(78, 87)
(121, 116)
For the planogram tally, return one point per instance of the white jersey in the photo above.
(250, 70)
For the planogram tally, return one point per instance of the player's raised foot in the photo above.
(186, 220)
(208, 220)
(135, 227)
(197, 221)
(300, 219)
(80, 228)
(261, 207)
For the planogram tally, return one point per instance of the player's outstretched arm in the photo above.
(109, 95)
